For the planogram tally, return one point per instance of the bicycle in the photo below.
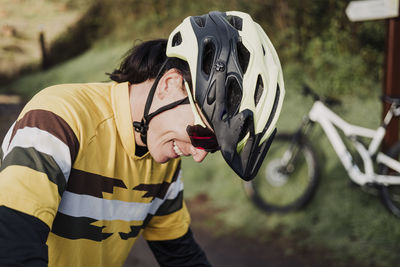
(288, 178)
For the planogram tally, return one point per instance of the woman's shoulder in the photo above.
(73, 97)
(76, 92)
(80, 105)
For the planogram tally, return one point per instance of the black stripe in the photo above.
(153, 190)
(78, 227)
(176, 174)
(82, 228)
(171, 205)
(81, 182)
(274, 107)
(158, 190)
(168, 207)
(135, 230)
(41, 162)
(1, 155)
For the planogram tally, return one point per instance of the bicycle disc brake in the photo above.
(275, 174)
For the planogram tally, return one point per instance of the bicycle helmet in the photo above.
(237, 83)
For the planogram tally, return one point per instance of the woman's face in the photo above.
(167, 137)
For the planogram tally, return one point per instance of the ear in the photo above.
(170, 84)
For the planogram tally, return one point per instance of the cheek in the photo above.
(166, 127)
(155, 133)
(171, 124)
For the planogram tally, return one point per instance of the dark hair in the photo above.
(143, 62)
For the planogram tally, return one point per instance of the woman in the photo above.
(87, 168)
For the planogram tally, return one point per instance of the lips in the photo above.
(177, 150)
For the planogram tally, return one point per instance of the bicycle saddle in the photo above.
(391, 99)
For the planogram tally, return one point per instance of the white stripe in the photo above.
(77, 205)
(172, 192)
(6, 140)
(46, 143)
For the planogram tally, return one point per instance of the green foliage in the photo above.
(337, 56)
(341, 64)
(344, 73)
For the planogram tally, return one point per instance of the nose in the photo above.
(198, 154)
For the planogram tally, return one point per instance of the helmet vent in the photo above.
(243, 56)
(245, 128)
(177, 39)
(274, 107)
(208, 57)
(263, 49)
(233, 96)
(200, 20)
(259, 90)
(235, 21)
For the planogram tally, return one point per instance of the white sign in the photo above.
(372, 9)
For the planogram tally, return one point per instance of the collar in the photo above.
(122, 114)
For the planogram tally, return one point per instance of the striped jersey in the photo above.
(70, 161)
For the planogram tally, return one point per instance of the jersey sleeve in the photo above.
(22, 239)
(36, 158)
(183, 251)
(171, 220)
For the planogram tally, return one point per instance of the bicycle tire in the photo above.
(265, 191)
(390, 194)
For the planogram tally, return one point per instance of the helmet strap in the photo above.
(143, 126)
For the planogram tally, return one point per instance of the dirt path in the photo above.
(232, 250)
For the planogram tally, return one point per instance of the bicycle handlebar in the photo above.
(330, 101)
(308, 91)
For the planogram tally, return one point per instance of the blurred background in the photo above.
(46, 42)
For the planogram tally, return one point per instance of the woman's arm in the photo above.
(183, 251)
(22, 239)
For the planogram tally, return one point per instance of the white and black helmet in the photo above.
(237, 83)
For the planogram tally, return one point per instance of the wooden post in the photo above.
(391, 83)
(45, 61)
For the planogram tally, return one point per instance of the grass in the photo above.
(90, 66)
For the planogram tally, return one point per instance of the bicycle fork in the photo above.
(290, 155)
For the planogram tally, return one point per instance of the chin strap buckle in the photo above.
(141, 127)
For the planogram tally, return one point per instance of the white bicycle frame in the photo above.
(328, 120)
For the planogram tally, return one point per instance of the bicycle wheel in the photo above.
(285, 187)
(390, 194)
